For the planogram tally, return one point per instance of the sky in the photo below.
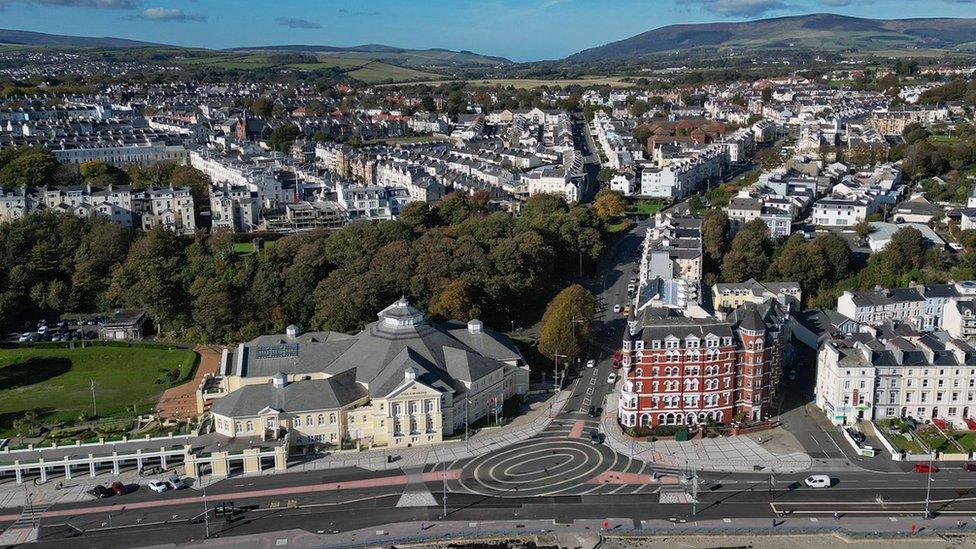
(521, 30)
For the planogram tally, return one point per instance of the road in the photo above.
(558, 475)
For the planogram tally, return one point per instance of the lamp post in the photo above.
(928, 486)
(555, 371)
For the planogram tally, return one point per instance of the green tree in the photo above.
(283, 137)
(748, 256)
(30, 167)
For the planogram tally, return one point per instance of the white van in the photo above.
(817, 481)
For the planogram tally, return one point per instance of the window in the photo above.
(321, 419)
(250, 426)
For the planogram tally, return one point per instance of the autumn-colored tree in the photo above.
(609, 204)
(566, 323)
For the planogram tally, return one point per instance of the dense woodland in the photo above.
(459, 259)
(825, 266)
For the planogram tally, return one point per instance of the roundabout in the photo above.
(539, 467)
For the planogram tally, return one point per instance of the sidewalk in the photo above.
(617, 532)
(486, 440)
(740, 454)
(180, 402)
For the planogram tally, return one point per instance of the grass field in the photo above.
(55, 383)
(943, 139)
(646, 207)
(529, 83)
(247, 248)
(364, 70)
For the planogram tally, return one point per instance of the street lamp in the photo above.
(555, 371)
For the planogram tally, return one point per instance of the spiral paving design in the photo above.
(537, 467)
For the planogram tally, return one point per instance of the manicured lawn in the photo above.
(966, 440)
(906, 444)
(619, 227)
(245, 248)
(646, 207)
(56, 383)
(943, 139)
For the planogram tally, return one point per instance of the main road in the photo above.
(557, 475)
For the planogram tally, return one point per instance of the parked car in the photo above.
(627, 310)
(617, 308)
(590, 363)
(617, 358)
(612, 378)
(925, 468)
(119, 489)
(817, 481)
(857, 436)
(178, 483)
(99, 491)
(26, 336)
(159, 486)
(971, 467)
(594, 411)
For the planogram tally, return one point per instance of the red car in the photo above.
(925, 468)
(119, 488)
(969, 467)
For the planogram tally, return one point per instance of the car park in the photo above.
(817, 481)
(159, 486)
(925, 468)
(611, 378)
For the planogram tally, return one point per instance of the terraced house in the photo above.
(402, 381)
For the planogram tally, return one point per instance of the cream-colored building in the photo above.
(402, 381)
(729, 296)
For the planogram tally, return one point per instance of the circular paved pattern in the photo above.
(538, 467)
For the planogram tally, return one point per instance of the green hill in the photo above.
(822, 31)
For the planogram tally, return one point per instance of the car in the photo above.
(633, 281)
(590, 363)
(925, 468)
(971, 467)
(592, 411)
(627, 310)
(596, 437)
(42, 329)
(119, 489)
(159, 486)
(617, 358)
(617, 308)
(99, 491)
(611, 378)
(26, 336)
(817, 481)
(178, 483)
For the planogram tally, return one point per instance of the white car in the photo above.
(611, 378)
(616, 308)
(26, 336)
(817, 481)
(159, 486)
(590, 363)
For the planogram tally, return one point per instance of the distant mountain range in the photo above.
(821, 31)
(28, 38)
(436, 57)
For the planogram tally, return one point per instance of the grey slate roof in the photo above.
(301, 396)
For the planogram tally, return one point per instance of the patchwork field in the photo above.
(56, 383)
(364, 70)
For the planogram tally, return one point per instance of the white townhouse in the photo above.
(896, 372)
